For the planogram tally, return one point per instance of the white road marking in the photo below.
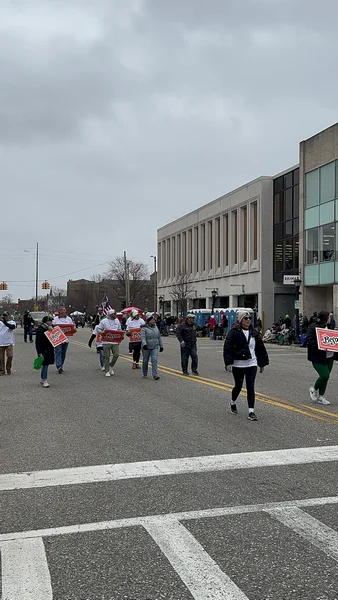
(309, 528)
(198, 571)
(181, 516)
(25, 573)
(174, 466)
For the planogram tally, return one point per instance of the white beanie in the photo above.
(241, 314)
(111, 312)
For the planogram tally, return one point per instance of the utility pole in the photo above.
(37, 276)
(126, 278)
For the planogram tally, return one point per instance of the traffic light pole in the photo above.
(37, 275)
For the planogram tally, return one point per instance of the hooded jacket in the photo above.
(236, 347)
(151, 337)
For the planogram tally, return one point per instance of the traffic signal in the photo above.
(3, 286)
(45, 285)
(123, 304)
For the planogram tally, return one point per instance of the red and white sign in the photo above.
(135, 334)
(112, 336)
(68, 328)
(290, 279)
(56, 336)
(327, 339)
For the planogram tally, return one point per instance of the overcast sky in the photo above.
(118, 116)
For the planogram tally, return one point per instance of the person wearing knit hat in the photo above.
(186, 334)
(151, 345)
(133, 331)
(243, 352)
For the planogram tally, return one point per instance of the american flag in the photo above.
(105, 304)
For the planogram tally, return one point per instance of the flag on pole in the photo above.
(105, 305)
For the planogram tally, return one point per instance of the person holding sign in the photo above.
(68, 327)
(44, 348)
(322, 359)
(133, 330)
(111, 336)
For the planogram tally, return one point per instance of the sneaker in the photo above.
(130, 352)
(45, 384)
(134, 366)
(103, 369)
(156, 377)
(42, 381)
(138, 366)
(145, 376)
(186, 374)
(233, 409)
(107, 374)
(111, 372)
(9, 371)
(195, 373)
(252, 416)
(60, 369)
(322, 400)
(313, 394)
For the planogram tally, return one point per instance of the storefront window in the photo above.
(311, 246)
(327, 242)
(312, 188)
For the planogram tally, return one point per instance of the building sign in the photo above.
(56, 336)
(327, 339)
(290, 279)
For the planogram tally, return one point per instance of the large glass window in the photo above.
(312, 188)
(311, 246)
(277, 201)
(288, 180)
(296, 201)
(327, 242)
(327, 182)
(286, 223)
(278, 252)
(288, 204)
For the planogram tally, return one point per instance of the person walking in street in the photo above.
(7, 342)
(151, 344)
(243, 352)
(186, 334)
(44, 348)
(99, 345)
(61, 350)
(28, 323)
(332, 322)
(322, 360)
(133, 329)
(212, 327)
(109, 323)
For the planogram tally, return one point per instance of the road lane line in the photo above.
(309, 528)
(198, 571)
(303, 409)
(171, 466)
(25, 573)
(208, 513)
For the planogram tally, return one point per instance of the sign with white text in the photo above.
(327, 339)
(112, 336)
(68, 328)
(290, 279)
(135, 334)
(56, 336)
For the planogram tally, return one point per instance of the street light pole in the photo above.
(37, 276)
(297, 284)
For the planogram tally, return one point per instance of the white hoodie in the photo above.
(110, 324)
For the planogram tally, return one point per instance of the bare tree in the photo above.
(57, 298)
(182, 291)
(139, 280)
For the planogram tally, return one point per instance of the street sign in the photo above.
(289, 279)
(297, 304)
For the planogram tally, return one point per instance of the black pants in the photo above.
(136, 348)
(250, 375)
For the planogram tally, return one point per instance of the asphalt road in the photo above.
(127, 488)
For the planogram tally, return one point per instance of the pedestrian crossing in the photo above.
(26, 574)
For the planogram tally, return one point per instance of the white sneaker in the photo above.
(103, 369)
(107, 374)
(313, 394)
(111, 371)
(46, 384)
(42, 381)
(322, 400)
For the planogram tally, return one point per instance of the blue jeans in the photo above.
(100, 351)
(185, 353)
(28, 332)
(44, 372)
(153, 354)
(60, 354)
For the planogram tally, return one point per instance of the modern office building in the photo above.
(318, 199)
(245, 245)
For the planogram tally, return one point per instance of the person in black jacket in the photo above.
(28, 322)
(44, 348)
(187, 335)
(243, 352)
(322, 360)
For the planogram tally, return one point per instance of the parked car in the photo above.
(37, 316)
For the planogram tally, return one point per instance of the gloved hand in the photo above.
(145, 347)
(182, 344)
(228, 368)
(261, 370)
(161, 349)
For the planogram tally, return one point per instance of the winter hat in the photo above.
(241, 314)
(111, 312)
(134, 313)
(150, 317)
(190, 316)
(47, 318)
